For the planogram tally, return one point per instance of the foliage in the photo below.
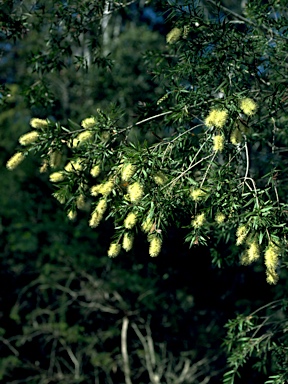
(206, 153)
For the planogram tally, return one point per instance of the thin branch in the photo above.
(75, 362)
(247, 160)
(144, 121)
(190, 167)
(272, 304)
(239, 17)
(120, 6)
(6, 342)
(126, 367)
(255, 190)
(153, 377)
(150, 345)
(207, 170)
(151, 118)
(273, 151)
(244, 19)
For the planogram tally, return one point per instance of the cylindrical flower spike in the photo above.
(218, 143)
(128, 171)
(136, 192)
(248, 106)
(130, 220)
(127, 241)
(29, 138)
(199, 220)
(90, 122)
(95, 171)
(55, 159)
(174, 35)
(114, 250)
(147, 225)
(38, 123)
(220, 218)
(15, 160)
(241, 234)
(56, 177)
(216, 118)
(155, 246)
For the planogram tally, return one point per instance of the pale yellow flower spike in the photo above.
(136, 192)
(82, 138)
(271, 277)
(72, 215)
(44, 167)
(197, 194)
(236, 136)
(253, 252)
(80, 202)
(29, 138)
(128, 242)
(271, 256)
(241, 234)
(130, 220)
(160, 178)
(216, 118)
(95, 190)
(95, 219)
(199, 220)
(128, 171)
(114, 250)
(220, 218)
(90, 122)
(38, 123)
(56, 177)
(95, 171)
(173, 36)
(15, 160)
(55, 159)
(101, 206)
(155, 246)
(248, 106)
(147, 225)
(218, 141)
(73, 166)
(106, 188)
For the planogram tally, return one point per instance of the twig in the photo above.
(247, 160)
(255, 190)
(150, 345)
(207, 170)
(75, 362)
(144, 121)
(273, 151)
(168, 143)
(275, 302)
(126, 367)
(244, 18)
(151, 118)
(153, 377)
(6, 342)
(190, 166)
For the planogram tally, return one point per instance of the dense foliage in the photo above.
(188, 142)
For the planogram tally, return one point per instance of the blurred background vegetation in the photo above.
(68, 312)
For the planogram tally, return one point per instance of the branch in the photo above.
(247, 160)
(244, 19)
(124, 352)
(153, 377)
(6, 342)
(75, 362)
